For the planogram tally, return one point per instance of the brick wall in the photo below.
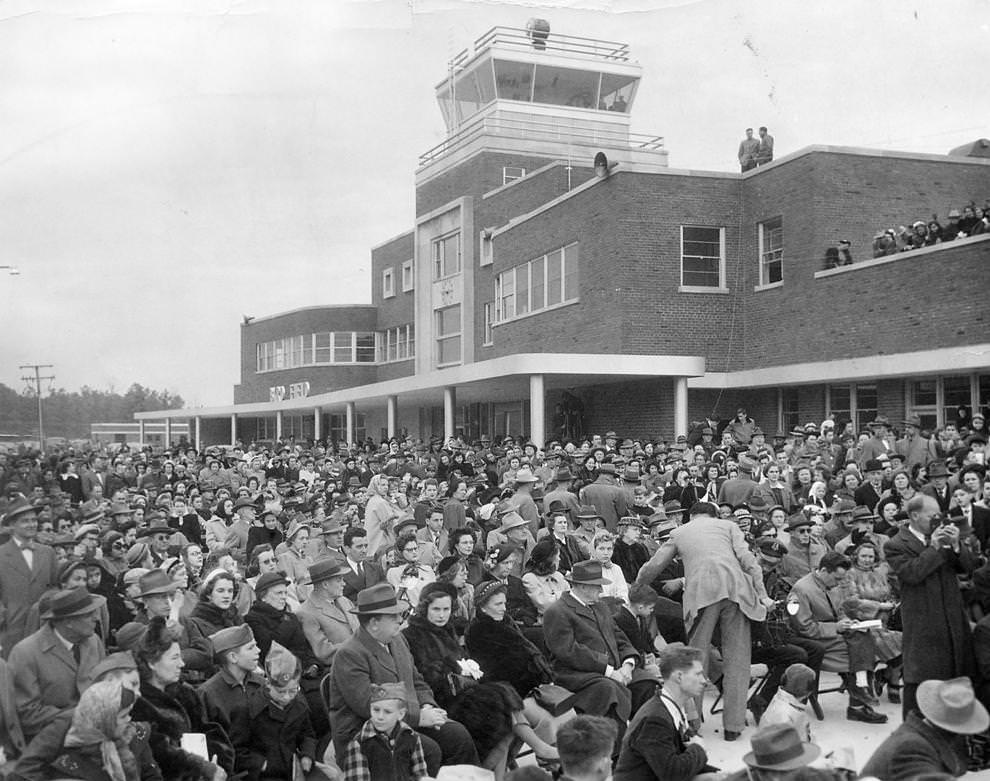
(397, 310)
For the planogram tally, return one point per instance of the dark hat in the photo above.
(156, 582)
(863, 513)
(912, 420)
(843, 507)
(746, 466)
(608, 469)
(673, 507)
(93, 515)
(150, 530)
(402, 523)
(379, 599)
(387, 691)
(587, 573)
(938, 469)
(245, 502)
(332, 526)
(487, 589)
(563, 474)
(446, 564)
(325, 569)
(779, 747)
(231, 637)
(953, 706)
(772, 549)
(879, 421)
(71, 603)
(268, 580)
(130, 634)
(873, 465)
(631, 520)
(631, 475)
(119, 508)
(16, 510)
(758, 502)
(798, 520)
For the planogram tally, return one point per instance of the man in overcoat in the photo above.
(926, 558)
(723, 587)
(326, 616)
(27, 570)
(608, 499)
(378, 653)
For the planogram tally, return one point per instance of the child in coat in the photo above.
(790, 704)
(386, 748)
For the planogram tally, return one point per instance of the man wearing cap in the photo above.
(738, 490)
(378, 654)
(723, 587)
(27, 570)
(54, 665)
(235, 688)
(880, 442)
(804, 551)
(931, 741)
(777, 751)
(938, 485)
(927, 559)
(326, 616)
(589, 654)
(840, 523)
(237, 533)
(868, 494)
(912, 446)
(606, 497)
(563, 479)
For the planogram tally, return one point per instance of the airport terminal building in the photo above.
(537, 292)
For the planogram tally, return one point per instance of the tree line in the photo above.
(69, 413)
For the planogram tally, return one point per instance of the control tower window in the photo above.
(566, 87)
(514, 80)
(617, 93)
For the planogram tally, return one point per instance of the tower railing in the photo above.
(554, 43)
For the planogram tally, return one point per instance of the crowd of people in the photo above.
(312, 610)
(973, 221)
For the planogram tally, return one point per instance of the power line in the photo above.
(36, 379)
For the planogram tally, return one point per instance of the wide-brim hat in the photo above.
(587, 512)
(953, 706)
(631, 520)
(332, 526)
(779, 747)
(587, 573)
(17, 509)
(150, 530)
(156, 581)
(379, 600)
(879, 421)
(863, 513)
(71, 603)
(563, 474)
(938, 469)
(245, 502)
(526, 476)
(326, 569)
(86, 528)
(912, 420)
(512, 520)
(608, 469)
(798, 520)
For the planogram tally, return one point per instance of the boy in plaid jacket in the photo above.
(386, 748)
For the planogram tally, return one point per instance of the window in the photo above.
(319, 349)
(955, 394)
(364, 351)
(866, 406)
(447, 255)
(487, 254)
(397, 344)
(388, 283)
(448, 335)
(771, 251)
(337, 430)
(322, 353)
(856, 403)
(343, 347)
(489, 313)
(511, 172)
(408, 281)
(702, 257)
(789, 408)
(543, 282)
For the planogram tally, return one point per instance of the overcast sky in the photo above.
(167, 166)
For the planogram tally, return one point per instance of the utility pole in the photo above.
(36, 379)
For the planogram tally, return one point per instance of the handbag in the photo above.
(553, 698)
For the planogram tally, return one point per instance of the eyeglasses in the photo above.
(117, 546)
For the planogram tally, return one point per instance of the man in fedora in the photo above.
(513, 530)
(931, 741)
(880, 442)
(326, 615)
(27, 570)
(868, 494)
(912, 446)
(54, 665)
(589, 654)
(777, 750)
(723, 587)
(606, 497)
(937, 486)
(378, 654)
(523, 498)
(154, 597)
(563, 479)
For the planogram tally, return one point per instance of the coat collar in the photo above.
(385, 658)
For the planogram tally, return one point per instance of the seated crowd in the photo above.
(973, 221)
(309, 610)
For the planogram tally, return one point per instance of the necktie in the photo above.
(361, 570)
(77, 652)
(27, 546)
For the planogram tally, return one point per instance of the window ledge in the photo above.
(872, 262)
(698, 289)
(770, 286)
(388, 295)
(537, 312)
(397, 360)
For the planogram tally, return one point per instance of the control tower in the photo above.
(533, 91)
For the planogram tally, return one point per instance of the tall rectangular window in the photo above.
(489, 314)
(522, 290)
(343, 347)
(408, 280)
(447, 255)
(388, 283)
(866, 406)
(538, 287)
(505, 295)
(555, 272)
(702, 257)
(364, 350)
(448, 335)
(790, 408)
(840, 402)
(571, 272)
(955, 393)
(772, 251)
(322, 351)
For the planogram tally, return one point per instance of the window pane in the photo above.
(956, 394)
(571, 273)
(449, 320)
(513, 80)
(565, 87)
(449, 350)
(925, 394)
(323, 354)
(616, 93)
(700, 272)
(508, 300)
(411, 340)
(538, 293)
(866, 406)
(343, 347)
(772, 269)
(522, 289)
(790, 403)
(555, 270)
(391, 345)
(366, 347)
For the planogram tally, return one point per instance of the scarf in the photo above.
(94, 723)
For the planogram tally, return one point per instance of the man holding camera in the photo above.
(926, 556)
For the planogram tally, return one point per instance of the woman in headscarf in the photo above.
(380, 516)
(103, 744)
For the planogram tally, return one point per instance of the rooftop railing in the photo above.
(542, 130)
(556, 43)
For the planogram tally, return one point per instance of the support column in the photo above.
(680, 406)
(233, 428)
(392, 415)
(317, 434)
(537, 411)
(141, 431)
(168, 432)
(449, 411)
(278, 425)
(198, 441)
(350, 424)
